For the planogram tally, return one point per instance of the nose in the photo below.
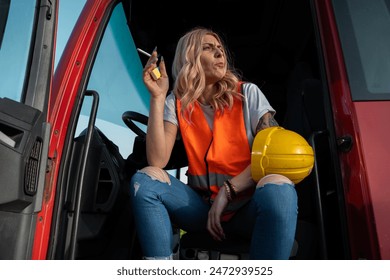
(218, 52)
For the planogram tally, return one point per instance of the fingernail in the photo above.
(155, 49)
(161, 59)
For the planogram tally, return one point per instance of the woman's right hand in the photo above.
(214, 226)
(159, 87)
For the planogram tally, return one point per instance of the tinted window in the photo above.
(16, 33)
(117, 77)
(364, 28)
(68, 13)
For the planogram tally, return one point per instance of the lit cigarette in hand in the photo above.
(156, 72)
(143, 52)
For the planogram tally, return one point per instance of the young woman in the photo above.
(217, 117)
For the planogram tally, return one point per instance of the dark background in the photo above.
(266, 38)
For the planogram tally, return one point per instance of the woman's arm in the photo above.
(244, 180)
(267, 120)
(160, 138)
(160, 135)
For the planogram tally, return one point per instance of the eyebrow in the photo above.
(213, 45)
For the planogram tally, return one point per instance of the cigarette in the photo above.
(143, 52)
(156, 72)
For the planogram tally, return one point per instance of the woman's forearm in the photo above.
(243, 180)
(155, 135)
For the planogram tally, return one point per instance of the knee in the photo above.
(156, 173)
(144, 182)
(273, 179)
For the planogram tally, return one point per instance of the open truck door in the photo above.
(67, 153)
(27, 37)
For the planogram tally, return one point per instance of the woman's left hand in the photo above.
(214, 217)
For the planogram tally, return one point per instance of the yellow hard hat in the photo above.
(277, 150)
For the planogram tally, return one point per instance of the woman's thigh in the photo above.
(270, 200)
(185, 207)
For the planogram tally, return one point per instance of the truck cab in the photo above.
(73, 110)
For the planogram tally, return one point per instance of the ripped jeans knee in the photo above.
(148, 177)
(274, 179)
(156, 173)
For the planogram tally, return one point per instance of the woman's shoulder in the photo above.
(250, 85)
(170, 97)
(170, 101)
(250, 89)
(170, 109)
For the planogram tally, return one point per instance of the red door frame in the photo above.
(362, 235)
(67, 85)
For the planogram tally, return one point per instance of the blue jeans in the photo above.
(268, 219)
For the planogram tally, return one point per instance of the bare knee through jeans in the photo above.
(156, 173)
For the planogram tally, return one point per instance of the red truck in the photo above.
(69, 141)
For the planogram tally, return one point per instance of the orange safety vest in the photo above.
(216, 155)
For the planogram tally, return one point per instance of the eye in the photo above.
(207, 47)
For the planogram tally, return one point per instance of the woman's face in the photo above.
(213, 59)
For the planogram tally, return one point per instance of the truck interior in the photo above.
(275, 44)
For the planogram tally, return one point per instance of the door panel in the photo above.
(24, 130)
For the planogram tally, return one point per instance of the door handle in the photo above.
(345, 143)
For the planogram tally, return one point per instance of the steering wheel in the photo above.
(129, 117)
(178, 157)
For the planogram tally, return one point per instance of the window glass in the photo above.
(117, 77)
(15, 45)
(68, 13)
(364, 28)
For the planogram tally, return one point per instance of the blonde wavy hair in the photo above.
(189, 78)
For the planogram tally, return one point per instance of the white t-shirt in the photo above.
(255, 106)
